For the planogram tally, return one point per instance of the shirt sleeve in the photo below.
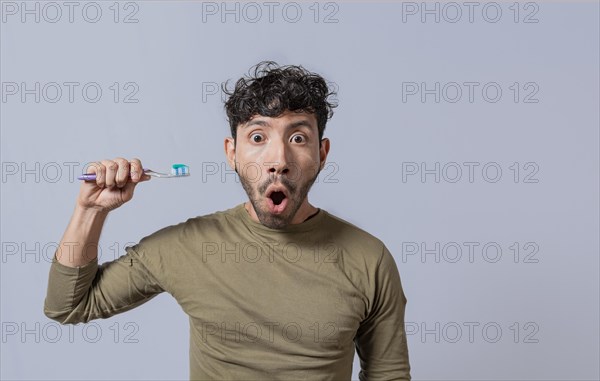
(80, 294)
(381, 338)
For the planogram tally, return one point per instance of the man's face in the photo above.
(278, 160)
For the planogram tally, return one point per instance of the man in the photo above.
(275, 288)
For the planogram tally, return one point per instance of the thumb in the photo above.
(128, 189)
(145, 178)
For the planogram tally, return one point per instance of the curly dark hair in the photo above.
(270, 90)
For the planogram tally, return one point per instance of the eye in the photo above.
(298, 139)
(256, 138)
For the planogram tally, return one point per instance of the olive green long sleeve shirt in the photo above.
(289, 304)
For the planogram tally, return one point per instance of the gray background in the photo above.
(489, 314)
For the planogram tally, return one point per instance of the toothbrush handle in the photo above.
(87, 177)
(92, 176)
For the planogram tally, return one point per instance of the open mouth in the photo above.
(277, 197)
(277, 200)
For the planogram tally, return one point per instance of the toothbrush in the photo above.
(177, 170)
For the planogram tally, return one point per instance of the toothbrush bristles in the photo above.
(180, 170)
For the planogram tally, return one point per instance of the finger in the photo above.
(122, 175)
(111, 172)
(136, 169)
(99, 170)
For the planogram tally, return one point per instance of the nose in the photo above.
(278, 161)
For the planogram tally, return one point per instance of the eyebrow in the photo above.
(263, 123)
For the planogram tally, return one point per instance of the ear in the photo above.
(230, 152)
(323, 151)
